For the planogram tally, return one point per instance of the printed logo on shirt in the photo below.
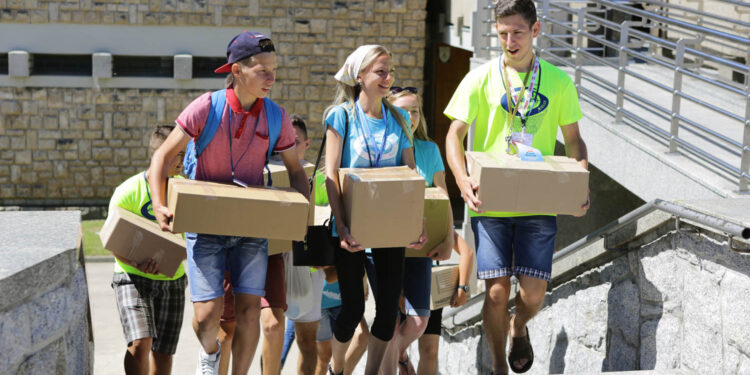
(541, 103)
(361, 160)
(147, 211)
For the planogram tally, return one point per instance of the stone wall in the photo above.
(678, 302)
(72, 146)
(45, 323)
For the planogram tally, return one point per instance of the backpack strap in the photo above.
(273, 118)
(218, 100)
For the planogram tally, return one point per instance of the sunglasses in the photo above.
(398, 89)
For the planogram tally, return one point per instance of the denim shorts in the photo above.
(210, 255)
(325, 326)
(417, 284)
(514, 246)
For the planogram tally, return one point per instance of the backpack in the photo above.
(218, 99)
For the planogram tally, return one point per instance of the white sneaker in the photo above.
(208, 364)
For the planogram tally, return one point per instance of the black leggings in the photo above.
(350, 267)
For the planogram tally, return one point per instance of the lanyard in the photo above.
(252, 138)
(525, 95)
(149, 187)
(368, 135)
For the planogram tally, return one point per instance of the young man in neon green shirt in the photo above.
(516, 98)
(150, 305)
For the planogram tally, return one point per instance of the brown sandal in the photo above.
(520, 348)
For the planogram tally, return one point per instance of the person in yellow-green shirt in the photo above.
(150, 305)
(515, 99)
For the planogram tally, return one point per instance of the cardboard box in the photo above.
(437, 210)
(558, 185)
(136, 238)
(214, 208)
(384, 206)
(280, 178)
(444, 283)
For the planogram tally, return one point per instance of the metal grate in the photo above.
(203, 67)
(63, 65)
(142, 66)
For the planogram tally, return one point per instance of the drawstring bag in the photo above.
(299, 289)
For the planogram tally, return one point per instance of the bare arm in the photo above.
(334, 147)
(443, 250)
(454, 152)
(297, 175)
(465, 266)
(575, 148)
(158, 172)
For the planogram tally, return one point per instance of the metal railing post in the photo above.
(677, 91)
(622, 63)
(745, 162)
(579, 46)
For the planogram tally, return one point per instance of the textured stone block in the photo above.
(49, 360)
(18, 64)
(15, 336)
(50, 313)
(183, 66)
(101, 65)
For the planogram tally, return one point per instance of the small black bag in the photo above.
(319, 246)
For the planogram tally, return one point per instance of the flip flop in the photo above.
(520, 348)
(407, 366)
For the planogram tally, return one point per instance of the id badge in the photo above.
(524, 138)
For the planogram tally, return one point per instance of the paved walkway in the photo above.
(109, 344)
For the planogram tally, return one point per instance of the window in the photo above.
(3, 63)
(203, 67)
(142, 66)
(69, 65)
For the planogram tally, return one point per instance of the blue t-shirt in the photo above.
(331, 295)
(355, 149)
(428, 160)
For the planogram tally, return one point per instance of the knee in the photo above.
(498, 293)
(534, 299)
(428, 352)
(141, 348)
(420, 324)
(306, 344)
(272, 326)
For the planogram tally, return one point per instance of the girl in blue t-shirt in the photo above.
(364, 130)
(420, 321)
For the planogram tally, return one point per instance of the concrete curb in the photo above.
(100, 259)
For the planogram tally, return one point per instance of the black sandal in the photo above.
(520, 348)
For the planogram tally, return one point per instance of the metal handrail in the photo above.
(576, 27)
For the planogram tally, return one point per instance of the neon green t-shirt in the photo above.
(134, 196)
(481, 96)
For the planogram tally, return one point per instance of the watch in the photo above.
(465, 288)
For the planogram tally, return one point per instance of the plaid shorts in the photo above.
(150, 308)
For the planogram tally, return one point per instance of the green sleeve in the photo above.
(321, 194)
(464, 104)
(570, 108)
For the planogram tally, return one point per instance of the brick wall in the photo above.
(72, 146)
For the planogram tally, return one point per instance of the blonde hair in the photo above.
(421, 131)
(229, 81)
(348, 95)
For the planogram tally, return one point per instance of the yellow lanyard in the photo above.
(513, 107)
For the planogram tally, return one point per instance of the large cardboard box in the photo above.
(558, 185)
(214, 208)
(280, 178)
(136, 238)
(384, 206)
(444, 282)
(437, 210)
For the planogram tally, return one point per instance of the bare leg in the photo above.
(428, 354)
(161, 363)
(226, 332)
(137, 356)
(495, 320)
(338, 355)
(273, 322)
(375, 353)
(528, 301)
(411, 330)
(358, 347)
(308, 351)
(324, 357)
(246, 331)
(206, 322)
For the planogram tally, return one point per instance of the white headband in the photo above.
(348, 73)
